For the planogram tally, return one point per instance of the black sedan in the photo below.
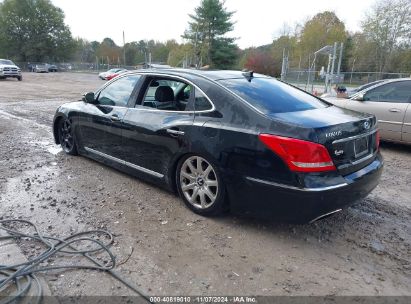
(227, 140)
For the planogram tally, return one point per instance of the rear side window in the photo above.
(271, 96)
(201, 102)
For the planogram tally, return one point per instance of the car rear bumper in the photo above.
(292, 204)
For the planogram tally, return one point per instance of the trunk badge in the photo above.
(339, 152)
(333, 134)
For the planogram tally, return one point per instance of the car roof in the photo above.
(209, 74)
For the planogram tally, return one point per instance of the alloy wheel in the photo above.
(198, 181)
(66, 136)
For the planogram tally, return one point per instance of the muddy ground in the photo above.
(167, 250)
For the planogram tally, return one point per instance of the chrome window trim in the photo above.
(261, 181)
(354, 137)
(123, 162)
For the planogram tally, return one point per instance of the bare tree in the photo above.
(387, 25)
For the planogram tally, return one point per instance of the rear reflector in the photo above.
(299, 155)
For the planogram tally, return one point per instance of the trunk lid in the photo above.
(350, 137)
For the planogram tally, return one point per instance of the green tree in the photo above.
(207, 33)
(109, 52)
(386, 27)
(323, 29)
(84, 51)
(287, 44)
(179, 55)
(34, 30)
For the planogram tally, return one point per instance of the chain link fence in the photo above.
(74, 67)
(312, 81)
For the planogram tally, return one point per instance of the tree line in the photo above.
(34, 30)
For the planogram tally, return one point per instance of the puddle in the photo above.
(48, 146)
(54, 150)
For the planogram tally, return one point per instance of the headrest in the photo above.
(164, 93)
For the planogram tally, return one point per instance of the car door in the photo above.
(406, 128)
(101, 123)
(388, 102)
(159, 126)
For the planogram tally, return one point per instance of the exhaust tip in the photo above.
(325, 215)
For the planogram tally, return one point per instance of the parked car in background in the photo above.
(52, 68)
(103, 75)
(351, 91)
(41, 68)
(390, 102)
(9, 70)
(31, 67)
(114, 75)
(227, 139)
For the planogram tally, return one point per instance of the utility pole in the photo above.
(352, 69)
(124, 48)
(340, 59)
(284, 65)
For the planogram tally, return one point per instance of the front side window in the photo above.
(118, 93)
(399, 92)
(271, 96)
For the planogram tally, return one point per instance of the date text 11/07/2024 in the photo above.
(204, 299)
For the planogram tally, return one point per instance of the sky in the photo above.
(257, 22)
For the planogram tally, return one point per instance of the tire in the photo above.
(200, 185)
(66, 136)
(20, 78)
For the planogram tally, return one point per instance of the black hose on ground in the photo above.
(21, 278)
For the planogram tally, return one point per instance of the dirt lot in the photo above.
(167, 250)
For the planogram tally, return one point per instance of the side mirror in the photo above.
(359, 97)
(89, 98)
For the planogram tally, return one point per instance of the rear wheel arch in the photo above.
(174, 176)
(172, 173)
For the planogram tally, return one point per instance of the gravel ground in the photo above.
(164, 248)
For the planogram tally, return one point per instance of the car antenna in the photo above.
(248, 74)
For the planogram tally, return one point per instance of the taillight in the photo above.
(377, 140)
(299, 155)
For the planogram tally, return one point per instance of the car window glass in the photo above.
(168, 95)
(201, 102)
(118, 93)
(271, 96)
(392, 92)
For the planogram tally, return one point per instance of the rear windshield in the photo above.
(272, 96)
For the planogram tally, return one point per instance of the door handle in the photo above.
(394, 110)
(175, 132)
(115, 117)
